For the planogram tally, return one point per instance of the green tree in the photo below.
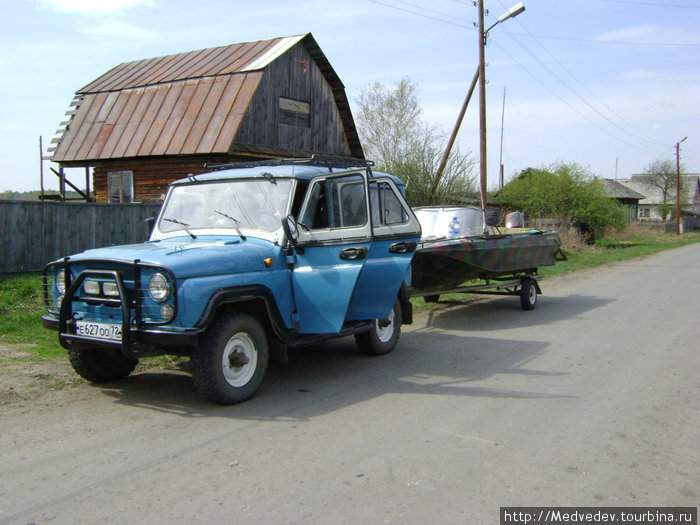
(394, 135)
(563, 191)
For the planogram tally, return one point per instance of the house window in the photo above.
(295, 112)
(644, 212)
(121, 186)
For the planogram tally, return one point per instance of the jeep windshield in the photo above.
(225, 205)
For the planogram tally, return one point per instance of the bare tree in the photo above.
(395, 136)
(662, 174)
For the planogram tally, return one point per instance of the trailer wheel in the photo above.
(230, 362)
(100, 365)
(528, 294)
(384, 334)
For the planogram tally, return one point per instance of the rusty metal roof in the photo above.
(187, 103)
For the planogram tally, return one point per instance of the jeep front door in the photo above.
(335, 236)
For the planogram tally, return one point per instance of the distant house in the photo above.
(146, 123)
(625, 196)
(648, 208)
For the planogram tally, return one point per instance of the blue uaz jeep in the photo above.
(243, 263)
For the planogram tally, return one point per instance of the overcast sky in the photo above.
(609, 84)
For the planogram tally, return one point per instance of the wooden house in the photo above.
(146, 123)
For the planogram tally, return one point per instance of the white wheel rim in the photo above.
(532, 296)
(385, 333)
(238, 376)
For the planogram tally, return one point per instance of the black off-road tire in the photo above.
(528, 294)
(384, 335)
(230, 362)
(100, 365)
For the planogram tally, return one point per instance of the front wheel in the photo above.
(383, 335)
(230, 362)
(100, 365)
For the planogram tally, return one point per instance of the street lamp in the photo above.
(678, 185)
(483, 35)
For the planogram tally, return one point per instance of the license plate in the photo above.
(109, 332)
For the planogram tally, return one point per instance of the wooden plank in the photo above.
(188, 118)
(96, 85)
(170, 93)
(199, 64)
(144, 98)
(158, 73)
(76, 121)
(223, 107)
(237, 111)
(178, 111)
(108, 125)
(85, 125)
(203, 120)
(180, 72)
(229, 55)
(126, 103)
(157, 96)
(249, 52)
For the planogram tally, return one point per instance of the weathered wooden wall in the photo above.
(294, 75)
(151, 175)
(34, 233)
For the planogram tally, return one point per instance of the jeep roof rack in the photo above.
(328, 161)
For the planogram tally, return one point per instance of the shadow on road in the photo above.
(505, 312)
(335, 375)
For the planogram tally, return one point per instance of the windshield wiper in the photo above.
(236, 222)
(184, 225)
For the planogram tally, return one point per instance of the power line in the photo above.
(654, 4)
(405, 10)
(631, 130)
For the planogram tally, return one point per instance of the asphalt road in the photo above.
(591, 399)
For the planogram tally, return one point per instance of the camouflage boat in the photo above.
(459, 244)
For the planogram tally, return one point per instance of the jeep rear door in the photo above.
(395, 235)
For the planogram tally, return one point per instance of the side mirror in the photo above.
(290, 227)
(150, 224)
(492, 216)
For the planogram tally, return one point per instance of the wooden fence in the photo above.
(34, 233)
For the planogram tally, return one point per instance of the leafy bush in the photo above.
(563, 190)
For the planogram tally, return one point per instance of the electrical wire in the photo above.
(629, 129)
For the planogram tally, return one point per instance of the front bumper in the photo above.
(138, 343)
(129, 312)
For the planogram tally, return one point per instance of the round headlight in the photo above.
(167, 312)
(60, 281)
(158, 288)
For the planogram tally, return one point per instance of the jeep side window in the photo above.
(336, 203)
(386, 207)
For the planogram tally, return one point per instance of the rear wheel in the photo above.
(230, 362)
(528, 294)
(100, 365)
(431, 298)
(384, 334)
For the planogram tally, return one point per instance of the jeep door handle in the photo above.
(403, 247)
(353, 254)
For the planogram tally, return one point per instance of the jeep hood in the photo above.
(186, 257)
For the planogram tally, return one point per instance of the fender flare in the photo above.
(241, 294)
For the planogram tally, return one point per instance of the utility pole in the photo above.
(453, 137)
(678, 185)
(482, 106)
(503, 118)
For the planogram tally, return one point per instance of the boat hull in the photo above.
(447, 263)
